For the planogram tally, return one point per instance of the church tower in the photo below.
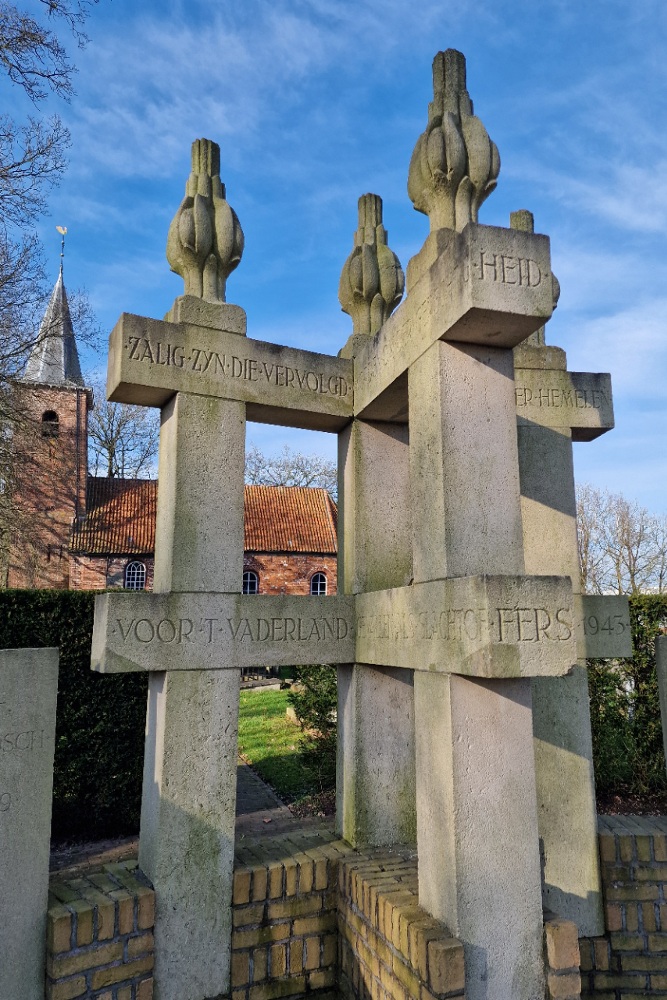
(50, 440)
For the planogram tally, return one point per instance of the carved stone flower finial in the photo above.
(205, 240)
(455, 164)
(372, 280)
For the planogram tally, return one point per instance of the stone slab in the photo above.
(200, 631)
(199, 521)
(661, 671)
(464, 468)
(375, 765)
(489, 286)
(188, 812)
(150, 360)
(28, 693)
(606, 631)
(477, 834)
(484, 626)
(578, 400)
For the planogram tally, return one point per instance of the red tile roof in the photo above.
(289, 519)
(121, 519)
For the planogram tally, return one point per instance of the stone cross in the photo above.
(28, 693)
(196, 631)
(555, 408)
(468, 487)
(448, 619)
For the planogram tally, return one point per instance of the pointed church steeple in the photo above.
(54, 359)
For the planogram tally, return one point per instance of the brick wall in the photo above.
(285, 937)
(389, 946)
(100, 936)
(49, 484)
(105, 572)
(290, 573)
(561, 959)
(310, 915)
(630, 961)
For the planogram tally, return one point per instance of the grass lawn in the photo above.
(269, 742)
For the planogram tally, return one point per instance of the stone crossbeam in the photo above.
(489, 286)
(488, 626)
(150, 360)
(579, 401)
(181, 631)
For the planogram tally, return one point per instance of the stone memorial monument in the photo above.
(460, 631)
(28, 694)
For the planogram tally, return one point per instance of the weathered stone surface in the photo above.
(463, 463)
(561, 399)
(566, 799)
(455, 165)
(494, 626)
(205, 240)
(197, 512)
(374, 476)
(150, 360)
(661, 670)
(192, 311)
(200, 631)
(479, 869)
(553, 406)
(28, 693)
(375, 786)
(375, 780)
(372, 280)
(189, 792)
(188, 812)
(487, 286)
(606, 631)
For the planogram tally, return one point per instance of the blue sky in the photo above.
(316, 102)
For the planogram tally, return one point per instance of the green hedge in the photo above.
(100, 719)
(625, 710)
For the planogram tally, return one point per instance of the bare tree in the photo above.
(32, 160)
(290, 468)
(622, 547)
(122, 439)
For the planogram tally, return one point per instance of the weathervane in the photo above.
(62, 230)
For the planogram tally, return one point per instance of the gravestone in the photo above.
(448, 625)
(661, 671)
(28, 694)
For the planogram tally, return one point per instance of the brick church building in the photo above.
(74, 531)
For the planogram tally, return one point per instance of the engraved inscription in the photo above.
(206, 630)
(220, 365)
(533, 625)
(29, 740)
(5, 802)
(504, 625)
(581, 399)
(504, 269)
(609, 625)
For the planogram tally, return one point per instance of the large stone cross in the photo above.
(449, 616)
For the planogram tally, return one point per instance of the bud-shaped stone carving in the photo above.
(372, 279)
(205, 240)
(454, 165)
(525, 221)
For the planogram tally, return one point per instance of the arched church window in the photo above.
(318, 584)
(50, 424)
(135, 576)
(250, 582)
